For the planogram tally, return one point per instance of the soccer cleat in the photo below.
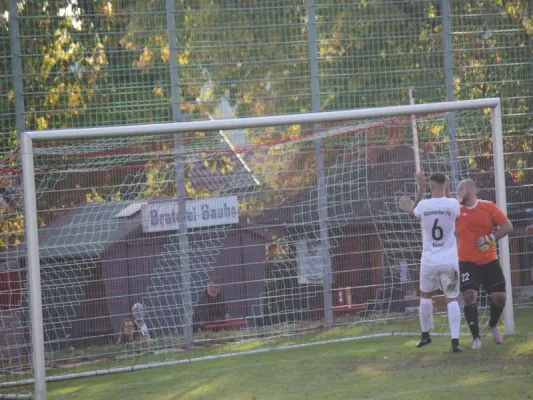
(476, 344)
(457, 349)
(424, 341)
(498, 338)
(455, 346)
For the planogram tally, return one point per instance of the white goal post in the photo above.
(31, 138)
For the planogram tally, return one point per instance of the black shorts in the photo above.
(490, 276)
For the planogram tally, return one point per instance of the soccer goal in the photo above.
(153, 245)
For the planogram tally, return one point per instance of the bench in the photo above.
(227, 324)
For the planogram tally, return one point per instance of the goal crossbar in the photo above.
(255, 122)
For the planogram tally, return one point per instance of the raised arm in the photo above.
(447, 191)
(405, 203)
(421, 181)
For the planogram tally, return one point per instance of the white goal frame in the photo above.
(30, 203)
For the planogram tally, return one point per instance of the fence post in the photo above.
(321, 180)
(449, 83)
(30, 212)
(183, 240)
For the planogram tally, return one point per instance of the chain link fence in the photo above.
(79, 64)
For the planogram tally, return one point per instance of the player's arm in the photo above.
(421, 181)
(405, 203)
(504, 228)
(500, 219)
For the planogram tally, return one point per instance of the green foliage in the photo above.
(107, 62)
(11, 230)
(94, 63)
(497, 62)
(371, 52)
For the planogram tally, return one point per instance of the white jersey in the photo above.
(439, 244)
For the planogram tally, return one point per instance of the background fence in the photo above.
(75, 64)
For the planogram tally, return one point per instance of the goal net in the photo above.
(289, 233)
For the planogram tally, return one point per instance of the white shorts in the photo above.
(440, 277)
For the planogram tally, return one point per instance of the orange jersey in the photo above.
(473, 223)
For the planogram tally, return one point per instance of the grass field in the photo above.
(379, 368)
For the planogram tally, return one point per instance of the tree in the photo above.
(496, 62)
(93, 63)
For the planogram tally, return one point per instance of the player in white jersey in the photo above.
(439, 265)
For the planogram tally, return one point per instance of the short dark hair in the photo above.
(437, 177)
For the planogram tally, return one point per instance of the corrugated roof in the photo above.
(85, 231)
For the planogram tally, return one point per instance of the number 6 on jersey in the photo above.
(437, 233)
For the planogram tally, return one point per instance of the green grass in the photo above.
(379, 368)
(166, 349)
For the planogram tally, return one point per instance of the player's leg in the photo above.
(425, 314)
(494, 282)
(428, 284)
(449, 279)
(470, 283)
(454, 318)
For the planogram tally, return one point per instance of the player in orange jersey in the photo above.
(479, 226)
